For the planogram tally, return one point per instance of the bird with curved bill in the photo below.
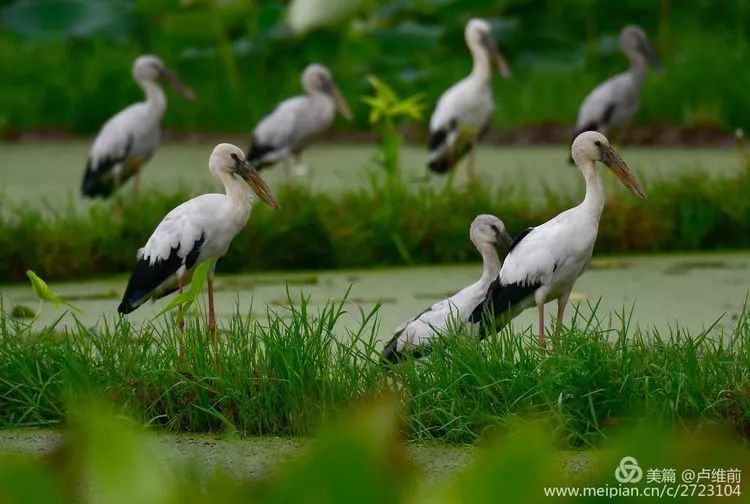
(198, 230)
(129, 138)
(544, 262)
(284, 133)
(611, 106)
(464, 111)
(464, 308)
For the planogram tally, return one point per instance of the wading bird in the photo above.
(129, 138)
(611, 106)
(544, 261)
(464, 111)
(197, 230)
(465, 307)
(284, 133)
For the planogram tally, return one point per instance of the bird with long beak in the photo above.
(465, 308)
(612, 105)
(284, 133)
(544, 262)
(198, 230)
(464, 111)
(130, 138)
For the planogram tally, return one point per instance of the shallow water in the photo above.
(50, 173)
(249, 457)
(689, 291)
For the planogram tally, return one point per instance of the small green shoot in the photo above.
(386, 110)
(186, 299)
(44, 293)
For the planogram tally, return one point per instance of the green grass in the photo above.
(288, 375)
(385, 224)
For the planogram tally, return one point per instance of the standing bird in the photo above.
(285, 132)
(130, 137)
(465, 307)
(464, 111)
(611, 106)
(544, 262)
(197, 230)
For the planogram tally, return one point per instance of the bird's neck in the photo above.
(155, 97)
(235, 190)
(637, 66)
(491, 266)
(594, 200)
(482, 67)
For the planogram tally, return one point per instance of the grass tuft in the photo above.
(289, 373)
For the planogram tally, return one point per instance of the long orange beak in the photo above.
(615, 163)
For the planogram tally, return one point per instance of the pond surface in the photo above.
(50, 173)
(255, 457)
(689, 291)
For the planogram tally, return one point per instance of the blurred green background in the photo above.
(66, 63)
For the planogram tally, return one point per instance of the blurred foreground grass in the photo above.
(358, 457)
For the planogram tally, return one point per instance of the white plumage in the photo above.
(544, 262)
(463, 308)
(197, 230)
(464, 111)
(613, 103)
(129, 138)
(294, 122)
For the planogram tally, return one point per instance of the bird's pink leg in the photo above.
(181, 323)
(542, 338)
(211, 314)
(562, 302)
(117, 203)
(470, 164)
(136, 183)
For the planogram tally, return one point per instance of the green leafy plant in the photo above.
(387, 109)
(44, 293)
(185, 300)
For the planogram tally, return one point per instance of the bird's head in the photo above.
(316, 78)
(592, 146)
(151, 68)
(487, 228)
(478, 35)
(228, 158)
(634, 42)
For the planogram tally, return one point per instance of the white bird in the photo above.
(197, 230)
(285, 132)
(129, 138)
(544, 261)
(464, 111)
(613, 104)
(464, 308)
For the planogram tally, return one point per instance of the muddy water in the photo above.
(687, 291)
(58, 168)
(251, 457)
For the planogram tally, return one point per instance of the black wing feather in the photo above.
(392, 355)
(98, 180)
(256, 151)
(147, 277)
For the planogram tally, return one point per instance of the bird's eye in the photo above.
(598, 143)
(235, 157)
